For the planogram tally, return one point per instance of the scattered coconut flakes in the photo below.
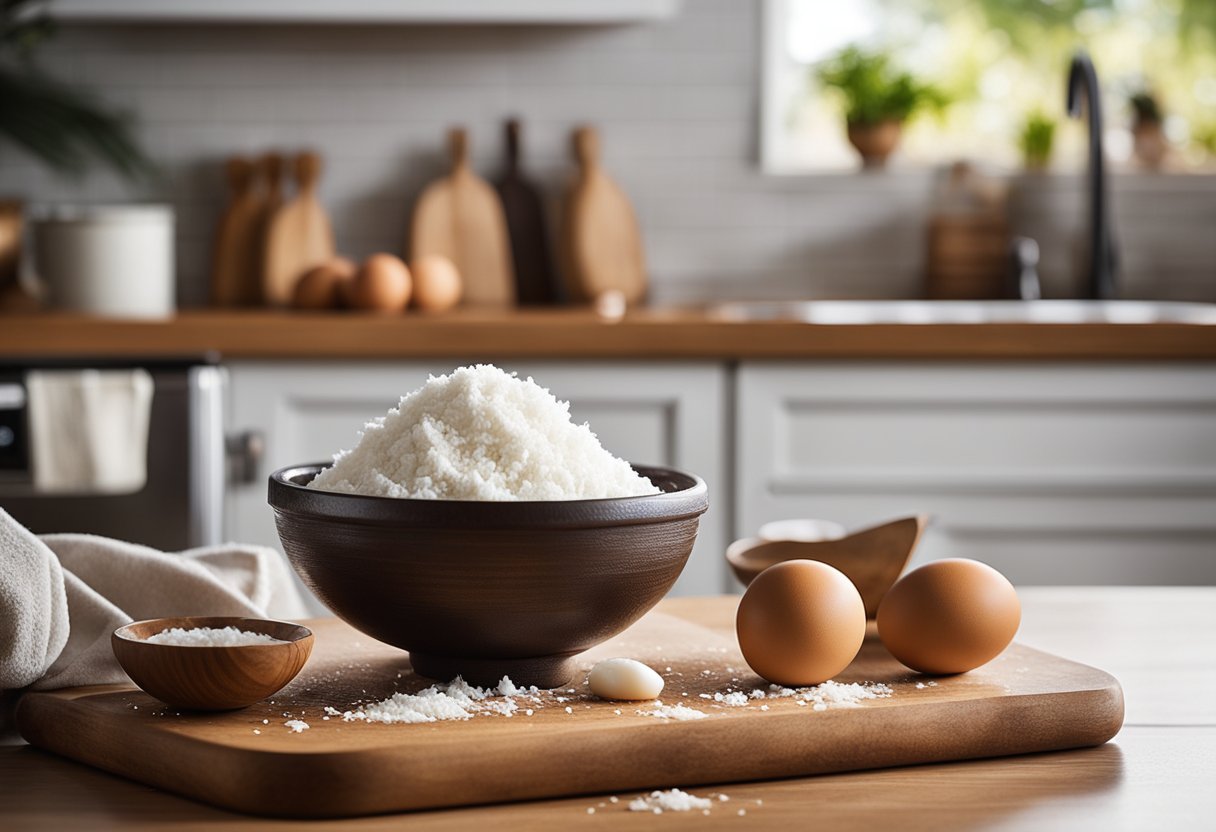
(455, 700)
(297, 725)
(671, 800)
(680, 713)
(735, 699)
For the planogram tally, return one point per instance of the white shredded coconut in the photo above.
(820, 697)
(680, 713)
(297, 726)
(211, 637)
(455, 700)
(671, 800)
(481, 434)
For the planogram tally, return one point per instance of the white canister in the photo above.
(111, 260)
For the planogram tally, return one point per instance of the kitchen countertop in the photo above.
(1156, 774)
(580, 334)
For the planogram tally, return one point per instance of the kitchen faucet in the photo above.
(1083, 85)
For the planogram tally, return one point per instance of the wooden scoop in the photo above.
(872, 558)
(212, 678)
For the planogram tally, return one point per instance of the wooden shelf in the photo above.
(587, 12)
(579, 334)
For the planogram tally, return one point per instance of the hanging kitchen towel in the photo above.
(62, 595)
(89, 430)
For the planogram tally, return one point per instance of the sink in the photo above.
(843, 312)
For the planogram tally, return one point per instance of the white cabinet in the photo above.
(659, 413)
(1073, 474)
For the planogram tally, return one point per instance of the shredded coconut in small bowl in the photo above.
(481, 434)
(211, 637)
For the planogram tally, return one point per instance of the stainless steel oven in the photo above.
(181, 502)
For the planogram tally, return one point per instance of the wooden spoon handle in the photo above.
(308, 170)
(458, 147)
(586, 146)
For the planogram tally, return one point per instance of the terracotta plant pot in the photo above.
(875, 142)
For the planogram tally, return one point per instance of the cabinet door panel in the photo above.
(1054, 473)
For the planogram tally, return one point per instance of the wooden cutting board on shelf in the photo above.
(298, 235)
(531, 254)
(602, 244)
(460, 217)
(1024, 701)
(236, 261)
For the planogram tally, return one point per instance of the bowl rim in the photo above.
(287, 495)
(300, 634)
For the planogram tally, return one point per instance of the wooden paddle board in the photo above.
(236, 260)
(532, 257)
(298, 236)
(601, 240)
(250, 761)
(460, 217)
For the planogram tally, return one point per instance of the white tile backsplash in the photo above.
(676, 102)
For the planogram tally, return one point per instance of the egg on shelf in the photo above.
(949, 616)
(382, 284)
(800, 623)
(437, 283)
(322, 286)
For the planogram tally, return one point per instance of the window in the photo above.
(1000, 63)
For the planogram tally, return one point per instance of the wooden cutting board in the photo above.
(298, 235)
(1024, 701)
(236, 261)
(460, 217)
(602, 244)
(531, 255)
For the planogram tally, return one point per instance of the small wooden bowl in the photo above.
(872, 558)
(212, 678)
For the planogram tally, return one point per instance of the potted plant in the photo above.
(1149, 143)
(60, 125)
(1036, 140)
(878, 99)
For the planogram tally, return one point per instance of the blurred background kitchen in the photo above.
(190, 193)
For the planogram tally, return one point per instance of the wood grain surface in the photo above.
(1156, 774)
(460, 217)
(1022, 702)
(578, 333)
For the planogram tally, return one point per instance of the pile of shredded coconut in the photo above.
(672, 800)
(211, 637)
(680, 713)
(481, 434)
(455, 700)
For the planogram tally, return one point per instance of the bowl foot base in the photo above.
(542, 671)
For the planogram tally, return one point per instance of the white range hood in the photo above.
(588, 12)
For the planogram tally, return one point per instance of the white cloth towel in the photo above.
(62, 595)
(89, 430)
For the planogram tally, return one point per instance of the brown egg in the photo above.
(382, 285)
(949, 616)
(437, 283)
(800, 623)
(321, 287)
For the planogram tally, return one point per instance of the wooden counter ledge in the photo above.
(579, 334)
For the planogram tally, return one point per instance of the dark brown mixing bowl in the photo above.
(489, 589)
